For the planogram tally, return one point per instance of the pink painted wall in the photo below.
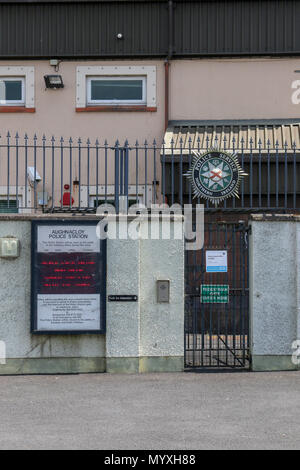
(199, 89)
(233, 89)
(55, 109)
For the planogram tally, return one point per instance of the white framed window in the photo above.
(17, 86)
(116, 90)
(12, 91)
(15, 202)
(115, 85)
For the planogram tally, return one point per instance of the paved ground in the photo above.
(165, 411)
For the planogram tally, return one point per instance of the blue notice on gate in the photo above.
(216, 261)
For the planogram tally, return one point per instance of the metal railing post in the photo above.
(117, 182)
(126, 170)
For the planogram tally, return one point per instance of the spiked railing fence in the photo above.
(58, 175)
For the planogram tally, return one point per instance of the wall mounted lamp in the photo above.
(54, 81)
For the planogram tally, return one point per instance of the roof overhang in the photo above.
(259, 136)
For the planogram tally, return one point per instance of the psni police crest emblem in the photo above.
(215, 175)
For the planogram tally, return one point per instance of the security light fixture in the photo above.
(54, 81)
(33, 175)
(119, 36)
(54, 62)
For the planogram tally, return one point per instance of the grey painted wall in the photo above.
(274, 291)
(146, 335)
(15, 295)
(141, 335)
(162, 324)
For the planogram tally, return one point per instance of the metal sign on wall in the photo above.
(68, 277)
(214, 293)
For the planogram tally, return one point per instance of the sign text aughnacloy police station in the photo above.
(68, 278)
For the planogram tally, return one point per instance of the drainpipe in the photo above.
(166, 93)
(168, 58)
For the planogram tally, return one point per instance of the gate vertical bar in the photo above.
(17, 170)
(233, 234)
(117, 187)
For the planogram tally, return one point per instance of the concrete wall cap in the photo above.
(79, 217)
(275, 217)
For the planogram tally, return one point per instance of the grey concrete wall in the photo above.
(162, 324)
(123, 318)
(274, 291)
(60, 353)
(298, 281)
(141, 336)
(146, 335)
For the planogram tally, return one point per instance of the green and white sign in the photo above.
(214, 293)
(215, 175)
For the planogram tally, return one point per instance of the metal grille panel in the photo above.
(217, 334)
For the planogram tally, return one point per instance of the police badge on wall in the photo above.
(215, 175)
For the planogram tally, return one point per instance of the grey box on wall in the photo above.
(163, 291)
(9, 248)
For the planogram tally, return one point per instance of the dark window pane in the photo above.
(6, 208)
(131, 202)
(13, 90)
(125, 90)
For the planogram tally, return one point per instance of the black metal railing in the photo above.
(217, 332)
(57, 175)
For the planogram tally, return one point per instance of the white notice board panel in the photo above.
(68, 312)
(67, 239)
(68, 277)
(216, 261)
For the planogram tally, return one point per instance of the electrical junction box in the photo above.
(43, 198)
(163, 291)
(9, 248)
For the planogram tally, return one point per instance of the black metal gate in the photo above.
(217, 328)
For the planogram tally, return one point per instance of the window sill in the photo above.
(116, 108)
(16, 109)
